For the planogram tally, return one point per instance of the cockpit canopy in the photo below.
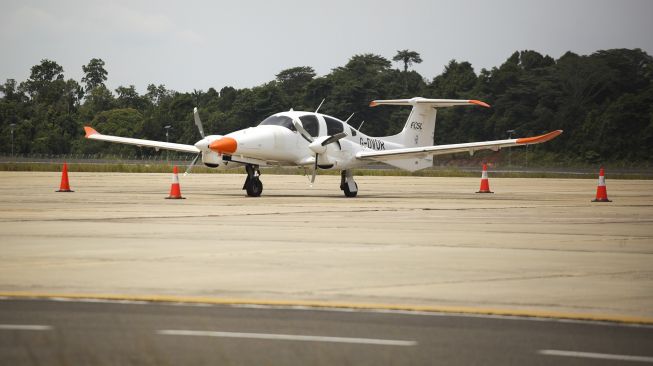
(309, 122)
(275, 120)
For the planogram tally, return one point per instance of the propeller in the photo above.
(192, 164)
(317, 145)
(301, 130)
(198, 123)
(334, 138)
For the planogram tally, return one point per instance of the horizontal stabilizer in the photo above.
(435, 103)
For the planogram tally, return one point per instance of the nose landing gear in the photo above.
(253, 184)
(347, 183)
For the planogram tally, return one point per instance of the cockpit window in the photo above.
(333, 126)
(284, 121)
(310, 124)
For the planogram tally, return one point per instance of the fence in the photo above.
(98, 158)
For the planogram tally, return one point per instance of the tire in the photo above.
(254, 188)
(349, 193)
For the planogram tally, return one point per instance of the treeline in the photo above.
(603, 101)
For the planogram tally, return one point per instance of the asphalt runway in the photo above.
(87, 333)
(534, 247)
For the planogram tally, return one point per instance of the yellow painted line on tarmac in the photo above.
(336, 305)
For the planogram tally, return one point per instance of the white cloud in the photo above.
(189, 36)
(129, 20)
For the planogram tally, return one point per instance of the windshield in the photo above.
(284, 121)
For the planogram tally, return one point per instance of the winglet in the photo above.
(90, 131)
(539, 139)
(478, 102)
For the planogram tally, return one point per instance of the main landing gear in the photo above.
(253, 184)
(254, 187)
(347, 183)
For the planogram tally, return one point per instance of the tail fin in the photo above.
(419, 129)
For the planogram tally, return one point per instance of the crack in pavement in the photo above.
(312, 212)
(482, 280)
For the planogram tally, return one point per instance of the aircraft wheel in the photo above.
(255, 187)
(349, 193)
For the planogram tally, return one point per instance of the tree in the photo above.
(296, 77)
(456, 80)
(227, 98)
(10, 91)
(47, 70)
(99, 100)
(531, 60)
(352, 87)
(156, 94)
(127, 97)
(293, 81)
(41, 77)
(408, 58)
(95, 74)
(366, 63)
(73, 93)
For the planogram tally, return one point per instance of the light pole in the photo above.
(168, 127)
(510, 132)
(12, 138)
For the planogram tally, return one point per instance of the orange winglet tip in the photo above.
(478, 102)
(539, 139)
(90, 131)
(373, 104)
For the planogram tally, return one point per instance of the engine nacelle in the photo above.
(340, 155)
(211, 159)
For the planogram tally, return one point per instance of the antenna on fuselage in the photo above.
(318, 107)
(361, 125)
(347, 120)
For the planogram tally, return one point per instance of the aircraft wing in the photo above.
(94, 135)
(425, 151)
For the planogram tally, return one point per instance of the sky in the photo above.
(196, 44)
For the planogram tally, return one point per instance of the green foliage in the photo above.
(603, 101)
(95, 74)
(127, 97)
(44, 81)
(293, 84)
(46, 71)
(408, 58)
(156, 94)
(99, 100)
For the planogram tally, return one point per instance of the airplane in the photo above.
(312, 139)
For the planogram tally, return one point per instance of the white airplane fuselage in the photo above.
(284, 145)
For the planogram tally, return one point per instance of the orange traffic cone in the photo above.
(601, 191)
(175, 190)
(485, 183)
(64, 186)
